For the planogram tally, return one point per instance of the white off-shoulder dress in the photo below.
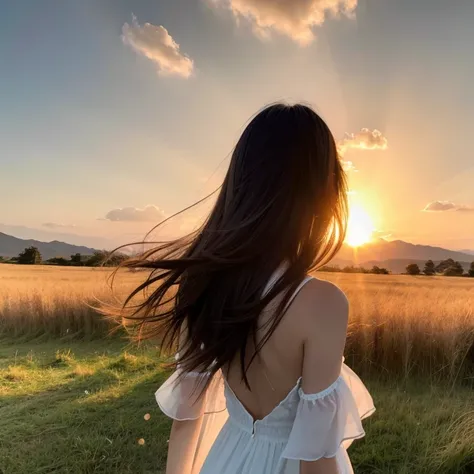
(304, 426)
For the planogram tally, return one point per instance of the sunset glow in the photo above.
(360, 227)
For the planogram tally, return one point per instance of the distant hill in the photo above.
(398, 249)
(396, 255)
(11, 246)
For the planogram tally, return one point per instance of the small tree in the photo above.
(76, 259)
(97, 259)
(454, 270)
(430, 268)
(108, 259)
(379, 271)
(30, 256)
(444, 265)
(471, 270)
(61, 261)
(413, 269)
(115, 259)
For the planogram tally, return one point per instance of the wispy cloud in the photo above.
(156, 44)
(133, 214)
(383, 234)
(293, 18)
(54, 225)
(348, 166)
(444, 206)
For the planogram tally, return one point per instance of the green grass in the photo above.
(79, 408)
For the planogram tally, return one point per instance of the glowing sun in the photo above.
(359, 227)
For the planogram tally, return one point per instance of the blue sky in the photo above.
(88, 125)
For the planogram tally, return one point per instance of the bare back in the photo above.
(275, 372)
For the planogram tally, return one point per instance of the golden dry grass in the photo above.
(410, 325)
(56, 301)
(400, 325)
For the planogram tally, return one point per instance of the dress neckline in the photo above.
(254, 420)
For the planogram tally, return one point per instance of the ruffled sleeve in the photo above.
(181, 397)
(329, 420)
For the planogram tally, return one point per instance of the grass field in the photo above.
(400, 325)
(54, 301)
(73, 401)
(80, 407)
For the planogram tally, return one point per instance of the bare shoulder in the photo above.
(323, 290)
(322, 314)
(323, 304)
(324, 295)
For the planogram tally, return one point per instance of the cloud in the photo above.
(133, 214)
(156, 44)
(364, 140)
(54, 225)
(443, 206)
(383, 234)
(348, 166)
(293, 18)
(440, 206)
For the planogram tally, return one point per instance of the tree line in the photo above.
(446, 267)
(375, 270)
(32, 256)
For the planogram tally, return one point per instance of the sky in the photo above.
(117, 114)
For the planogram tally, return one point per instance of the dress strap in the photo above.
(272, 281)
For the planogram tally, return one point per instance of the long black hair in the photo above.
(283, 201)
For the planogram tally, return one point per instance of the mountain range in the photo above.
(11, 246)
(394, 255)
